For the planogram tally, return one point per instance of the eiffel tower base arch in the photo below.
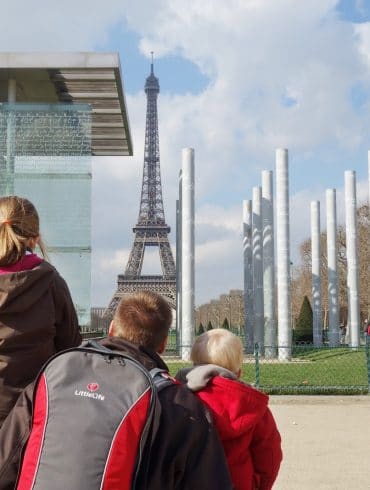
(165, 286)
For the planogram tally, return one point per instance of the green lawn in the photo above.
(311, 371)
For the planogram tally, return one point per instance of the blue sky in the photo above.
(178, 75)
(354, 10)
(239, 78)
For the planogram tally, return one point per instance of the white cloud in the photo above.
(112, 264)
(216, 252)
(53, 26)
(362, 32)
(218, 267)
(228, 219)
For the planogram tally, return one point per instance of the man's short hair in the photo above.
(220, 347)
(143, 318)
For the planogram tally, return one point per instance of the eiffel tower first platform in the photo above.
(151, 229)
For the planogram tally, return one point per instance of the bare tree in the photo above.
(301, 281)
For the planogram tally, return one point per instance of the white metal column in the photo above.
(332, 251)
(178, 266)
(283, 255)
(257, 266)
(187, 253)
(316, 276)
(352, 258)
(248, 275)
(268, 265)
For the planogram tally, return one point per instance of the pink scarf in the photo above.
(27, 262)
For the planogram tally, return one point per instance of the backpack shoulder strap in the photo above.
(93, 344)
(161, 378)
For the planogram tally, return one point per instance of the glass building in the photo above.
(56, 111)
(45, 155)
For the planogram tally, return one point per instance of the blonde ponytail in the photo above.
(19, 222)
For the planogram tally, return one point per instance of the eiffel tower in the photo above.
(151, 229)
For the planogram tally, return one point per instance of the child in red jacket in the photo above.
(244, 422)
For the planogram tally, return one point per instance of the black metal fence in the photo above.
(315, 370)
(306, 370)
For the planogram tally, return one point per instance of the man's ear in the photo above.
(163, 346)
(111, 329)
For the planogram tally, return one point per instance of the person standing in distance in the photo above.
(37, 316)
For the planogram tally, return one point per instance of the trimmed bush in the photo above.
(303, 331)
(225, 324)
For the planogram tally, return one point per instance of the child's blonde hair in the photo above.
(19, 222)
(220, 347)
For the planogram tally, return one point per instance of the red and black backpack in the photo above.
(95, 415)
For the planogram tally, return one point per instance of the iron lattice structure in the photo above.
(151, 229)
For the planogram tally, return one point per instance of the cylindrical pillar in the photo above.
(331, 240)
(12, 90)
(258, 333)
(178, 266)
(368, 203)
(248, 276)
(187, 254)
(283, 255)
(268, 265)
(316, 276)
(352, 258)
(368, 164)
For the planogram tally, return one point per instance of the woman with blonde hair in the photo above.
(37, 316)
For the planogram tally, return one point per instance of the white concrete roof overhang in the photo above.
(77, 78)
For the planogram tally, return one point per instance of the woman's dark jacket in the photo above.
(37, 319)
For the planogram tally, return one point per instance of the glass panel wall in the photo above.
(45, 155)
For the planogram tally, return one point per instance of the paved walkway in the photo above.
(326, 442)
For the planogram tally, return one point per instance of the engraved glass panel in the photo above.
(45, 155)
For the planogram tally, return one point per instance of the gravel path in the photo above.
(326, 442)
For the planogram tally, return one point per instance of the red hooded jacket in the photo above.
(245, 424)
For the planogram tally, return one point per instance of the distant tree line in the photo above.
(302, 275)
(225, 312)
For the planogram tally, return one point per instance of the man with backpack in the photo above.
(109, 416)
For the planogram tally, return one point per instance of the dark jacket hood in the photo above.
(20, 290)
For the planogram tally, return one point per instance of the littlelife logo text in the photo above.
(96, 396)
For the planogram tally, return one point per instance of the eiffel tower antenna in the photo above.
(151, 229)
